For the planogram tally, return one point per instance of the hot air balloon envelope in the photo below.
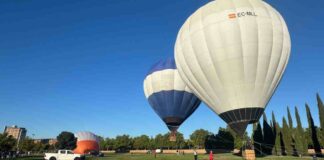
(168, 95)
(232, 54)
(86, 142)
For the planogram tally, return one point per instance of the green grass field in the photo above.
(187, 157)
(225, 156)
(30, 158)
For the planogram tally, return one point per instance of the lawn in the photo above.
(30, 158)
(187, 157)
(225, 156)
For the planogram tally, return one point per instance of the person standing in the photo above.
(211, 156)
(195, 155)
(154, 152)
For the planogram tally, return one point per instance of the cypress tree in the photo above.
(258, 140)
(313, 131)
(301, 142)
(282, 144)
(264, 117)
(286, 136)
(308, 137)
(289, 119)
(267, 136)
(320, 106)
(275, 131)
(278, 143)
(291, 132)
(320, 109)
(274, 121)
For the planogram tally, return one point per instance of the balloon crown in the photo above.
(168, 63)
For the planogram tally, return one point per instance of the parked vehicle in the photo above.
(96, 154)
(63, 155)
(158, 151)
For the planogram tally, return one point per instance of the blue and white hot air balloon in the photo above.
(168, 95)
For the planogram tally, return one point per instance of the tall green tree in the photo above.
(159, 141)
(123, 143)
(198, 138)
(258, 140)
(313, 132)
(225, 139)
(290, 121)
(190, 145)
(278, 143)
(151, 143)
(210, 142)
(7, 143)
(269, 138)
(291, 132)
(110, 143)
(141, 142)
(102, 143)
(300, 140)
(222, 140)
(308, 137)
(276, 131)
(321, 117)
(66, 140)
(287, 137)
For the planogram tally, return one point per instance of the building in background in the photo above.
(16, 132)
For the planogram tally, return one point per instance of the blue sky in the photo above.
(79, 65)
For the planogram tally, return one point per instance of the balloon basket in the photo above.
(172, 137)
(248, 154)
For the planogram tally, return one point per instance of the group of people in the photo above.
(211, 155)
(180, 152)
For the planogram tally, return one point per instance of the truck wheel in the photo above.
(52, 158)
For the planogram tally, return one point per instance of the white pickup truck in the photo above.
(63, 155)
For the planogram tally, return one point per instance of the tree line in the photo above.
(268, 137)
(9, 144)
(288, 139)
(66, 140)
(199, 139)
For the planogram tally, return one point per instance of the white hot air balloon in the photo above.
(232, 54)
